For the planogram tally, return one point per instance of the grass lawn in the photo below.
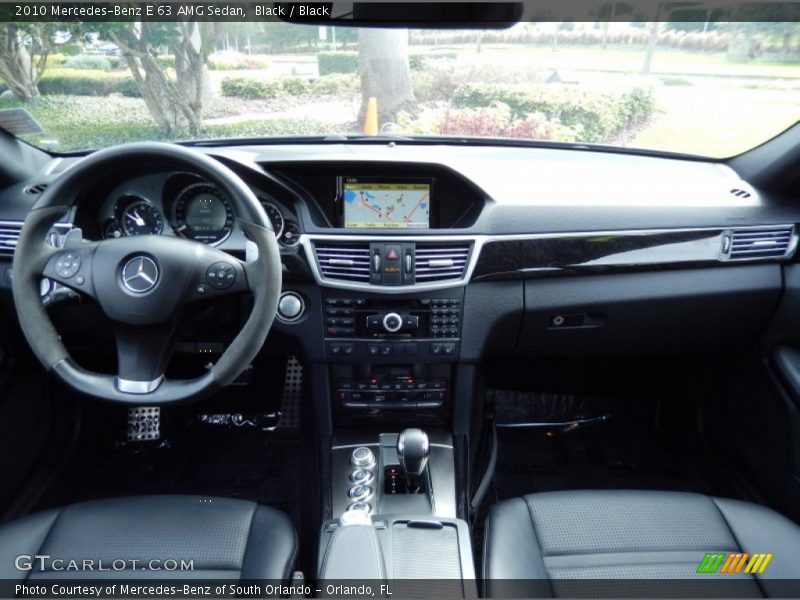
(83, 122)
(713, 120)
(627, 60)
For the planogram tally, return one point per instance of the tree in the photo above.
(24, 48)
(176, 104)
(385, 71)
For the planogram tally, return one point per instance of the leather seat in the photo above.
(225, 538)
(586, 542)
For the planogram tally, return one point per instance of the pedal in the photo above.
(292, 394)
(144, 423)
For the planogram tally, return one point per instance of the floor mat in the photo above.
(252, 465)
(625, 449)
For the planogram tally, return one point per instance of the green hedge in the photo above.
(70, 49)
(87, 62)
(337, 62)
(167, 61)
(337, 83)
(417, 61)
(243, 87)
(597, 115)
(246, 87)
(73, 82)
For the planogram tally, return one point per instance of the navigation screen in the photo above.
(386, 205)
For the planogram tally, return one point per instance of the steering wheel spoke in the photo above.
(142, 356)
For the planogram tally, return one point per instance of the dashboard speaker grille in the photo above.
(441, 262)
(760, 243)
(343, 261)
(9, 235)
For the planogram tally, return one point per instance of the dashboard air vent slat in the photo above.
(441, 262)
(36, 188)
(9, 234)
(740, 193)
(760, 243)
(347, 262)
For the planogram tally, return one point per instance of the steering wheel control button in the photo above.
(290, 307)
(221, 275)
(363, 457)
(140, 274)
(67, 264)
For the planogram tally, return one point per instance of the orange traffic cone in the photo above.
(371, 117)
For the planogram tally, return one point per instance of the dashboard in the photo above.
(401, 260)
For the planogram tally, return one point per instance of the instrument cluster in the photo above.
(189, 207)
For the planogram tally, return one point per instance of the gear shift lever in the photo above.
(412, 451)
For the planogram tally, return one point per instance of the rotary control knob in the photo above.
(362, 457)
(361, 476)
(392, 322)
(290, 307)
(360, 493)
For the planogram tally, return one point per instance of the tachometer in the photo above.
(275, 217)
(139, 217)
(203, 213)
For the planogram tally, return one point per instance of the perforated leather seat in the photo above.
(225, 538)
(578, 543)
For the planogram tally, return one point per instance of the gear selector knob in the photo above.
(412, 451)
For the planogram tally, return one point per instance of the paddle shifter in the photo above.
(412, 452)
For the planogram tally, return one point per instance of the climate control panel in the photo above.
(389, 392)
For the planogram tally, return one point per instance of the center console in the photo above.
(394, 506)
(391, 357)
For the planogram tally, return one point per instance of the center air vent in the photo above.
(761, 243)
(441, 262)
(9, 234)
(343, 261)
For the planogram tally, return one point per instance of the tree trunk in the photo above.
(17, 68)
(652, 41)
(175, 105)
(385, 71)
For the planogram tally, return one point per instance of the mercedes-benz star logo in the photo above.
(140, 274)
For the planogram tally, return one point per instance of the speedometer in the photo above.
(203, 213)
(138, 217)
(275, 217)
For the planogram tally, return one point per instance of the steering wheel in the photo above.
(141, 283)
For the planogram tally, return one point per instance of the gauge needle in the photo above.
(136, 218)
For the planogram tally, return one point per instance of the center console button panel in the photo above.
(410, 330)
(401, 393)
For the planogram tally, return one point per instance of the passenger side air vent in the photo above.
(343, 261)
(441, 262)
(37, 188)
(760, 243)
(9, 234)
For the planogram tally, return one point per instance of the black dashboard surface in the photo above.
(518, 190)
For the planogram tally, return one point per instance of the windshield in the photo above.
(708, 89)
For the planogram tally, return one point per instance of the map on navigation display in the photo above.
(386, 205)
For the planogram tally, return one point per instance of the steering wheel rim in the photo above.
(137, 314)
